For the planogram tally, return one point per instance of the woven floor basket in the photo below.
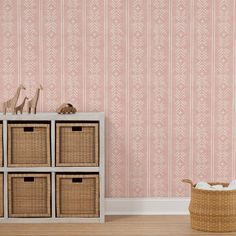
(1, 195)
(212, 211)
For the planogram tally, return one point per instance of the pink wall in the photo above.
(163, 71)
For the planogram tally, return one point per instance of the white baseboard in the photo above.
(146, 206)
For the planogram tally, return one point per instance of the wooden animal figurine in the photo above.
(21, 106)
(66, 108)
(13, 101)
(32, 104)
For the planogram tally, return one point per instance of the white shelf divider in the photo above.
(53, 143)
(53, 161)
(53, 195)
(5, 178)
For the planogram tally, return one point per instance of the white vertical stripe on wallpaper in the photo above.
(19, 39)
(105, 54)
(148, 93)
(233, 108)
(127, 97)
(39, 45)
(84, 54)
(41, 48)
(191, 86)
(104, 51)
(62, 52)
(170, 105)
(213, 92)
(105, 85)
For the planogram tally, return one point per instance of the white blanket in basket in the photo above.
(206, 186)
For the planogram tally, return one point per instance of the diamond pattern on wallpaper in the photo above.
(29, 45)
(137, 98)
(116, 110)
(94, 55)
(159, 97)
(73, 52)
(52, 54)
(223, 90)
(162, 70)
(9, 75)
(202, 82)
(180, 95)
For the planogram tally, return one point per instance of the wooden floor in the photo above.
(114, 226)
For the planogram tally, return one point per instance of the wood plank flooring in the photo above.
(114, 226)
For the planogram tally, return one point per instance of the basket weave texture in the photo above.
(28, 145)
(1, 144)
(77, 144)
(212, 210)
(1, 195)
(77, 195)
(29, 195)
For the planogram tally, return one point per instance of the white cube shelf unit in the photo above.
(53, 169)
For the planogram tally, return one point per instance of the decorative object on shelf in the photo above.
(21, 106)
(66, 108)
(11, 103)
(32, 104)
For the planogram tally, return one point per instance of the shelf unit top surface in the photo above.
(53, 116)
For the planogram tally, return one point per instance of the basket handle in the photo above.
(77, 180)
(28, 179)
(28, 129)
(77, 128)
(188, 181)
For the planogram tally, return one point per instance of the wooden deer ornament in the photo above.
(11, 103)
(21, 106)
(32, 104)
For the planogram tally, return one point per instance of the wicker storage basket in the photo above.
(1, 145)
(213, 211)
(77, 195)
(1, 195)
(77, 144)
(29, 195)
(28, 145)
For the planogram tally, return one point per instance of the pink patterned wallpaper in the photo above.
(162, 70)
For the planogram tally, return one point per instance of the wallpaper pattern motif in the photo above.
(162, 70)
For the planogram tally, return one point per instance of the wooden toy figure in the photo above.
(32, 104)
(21, 106)
(66, 108)
(13, 101)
